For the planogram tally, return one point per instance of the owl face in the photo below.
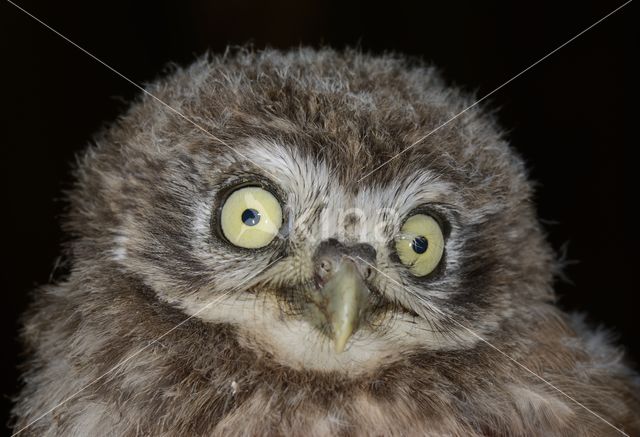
(279, 227)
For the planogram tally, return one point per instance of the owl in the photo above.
(313, 243)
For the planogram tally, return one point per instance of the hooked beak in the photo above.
(346, 296)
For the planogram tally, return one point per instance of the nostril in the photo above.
(368, 273)
(325, 267)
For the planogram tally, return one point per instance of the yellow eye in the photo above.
(420, 244)
(250, 217)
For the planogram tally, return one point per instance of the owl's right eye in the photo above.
(250, 217)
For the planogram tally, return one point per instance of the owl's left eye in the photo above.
(420, 244)
(250, 217)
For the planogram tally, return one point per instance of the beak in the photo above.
(346, 296)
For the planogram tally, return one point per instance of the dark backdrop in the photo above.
(570, 116)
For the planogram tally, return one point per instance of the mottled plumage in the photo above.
(146, 253)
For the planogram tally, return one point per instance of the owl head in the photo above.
(327, 206)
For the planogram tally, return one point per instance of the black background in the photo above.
(570, 116)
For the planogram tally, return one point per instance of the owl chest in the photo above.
(242, 408)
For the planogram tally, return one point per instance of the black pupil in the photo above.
(250, 217)
(419, 245)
